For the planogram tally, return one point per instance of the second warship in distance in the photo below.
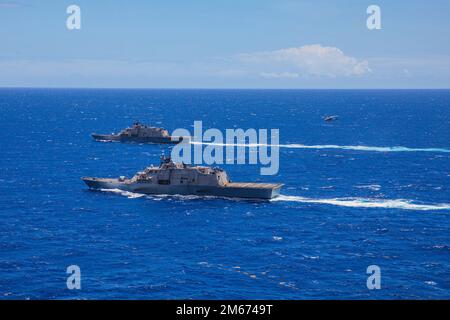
(142, 134)
(180, 179)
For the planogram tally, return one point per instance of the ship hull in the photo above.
(158, 140)
(232, 190)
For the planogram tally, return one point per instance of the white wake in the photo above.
(342, 202)
(326, 146)
(367, 203)
(128, 194)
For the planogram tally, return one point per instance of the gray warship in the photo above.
(180, 179)
(140, 133)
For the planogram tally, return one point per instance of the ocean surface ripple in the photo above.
(371, 188)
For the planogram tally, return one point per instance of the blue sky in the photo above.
(225, 44)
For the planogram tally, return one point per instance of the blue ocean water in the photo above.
(372, 188)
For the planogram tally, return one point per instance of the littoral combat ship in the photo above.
(140, 133)
(180, 179)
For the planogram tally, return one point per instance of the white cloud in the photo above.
(312, 66)
(310, 60)
(288, 64)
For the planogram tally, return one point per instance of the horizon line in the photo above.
(205, 88)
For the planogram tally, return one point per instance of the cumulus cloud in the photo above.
(310, 60)
(288, 66)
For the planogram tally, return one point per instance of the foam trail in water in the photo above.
(328, 146)
(128, 194)
(134, 195)
(343, 202)
(367, 203)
